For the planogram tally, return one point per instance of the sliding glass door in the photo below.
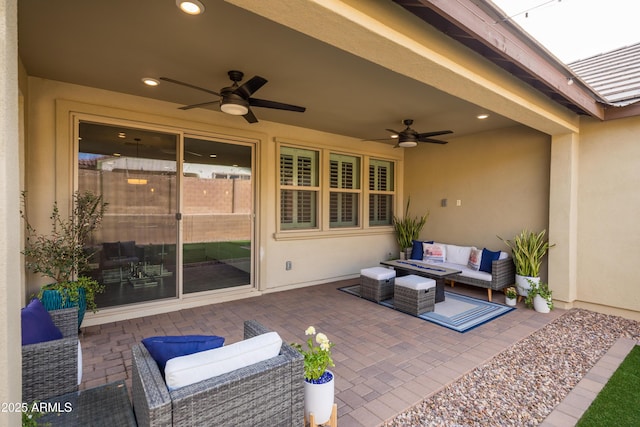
(216, 215)
(166, 228)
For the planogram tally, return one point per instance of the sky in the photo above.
(577, 29)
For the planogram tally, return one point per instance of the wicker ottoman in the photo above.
(376, 283)
(414, 294)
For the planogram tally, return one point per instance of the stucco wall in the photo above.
(501, 179)
(316, 258)
(609, 213)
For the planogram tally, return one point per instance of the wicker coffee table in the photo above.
(107, 405)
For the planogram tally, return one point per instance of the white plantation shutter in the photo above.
(298, 207)
(344, 181)
(380, 192)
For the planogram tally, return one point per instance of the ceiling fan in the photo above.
(236, 99)
(410, 138)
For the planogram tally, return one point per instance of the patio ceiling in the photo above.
(113, 45)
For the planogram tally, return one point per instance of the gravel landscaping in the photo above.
(523, 384)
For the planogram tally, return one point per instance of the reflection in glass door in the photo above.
(217, 200)
(135, 249)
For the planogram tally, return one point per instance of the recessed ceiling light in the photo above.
(150, 81)
(122, 135)
(192, 7)
(213, 156)
(482, 116)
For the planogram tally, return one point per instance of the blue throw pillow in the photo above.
(167, 347)
(416, 250)
(487, 258)
(37, 325)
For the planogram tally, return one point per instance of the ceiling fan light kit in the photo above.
(234, 107)
(407, 144)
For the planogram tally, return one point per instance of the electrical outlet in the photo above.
(458, 202)
(288, 265)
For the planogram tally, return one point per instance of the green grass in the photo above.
(199, 252)
(617, 404)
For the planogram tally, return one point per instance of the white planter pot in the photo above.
(540, 304)
(510, 301)
(318, 400)
(523, 285)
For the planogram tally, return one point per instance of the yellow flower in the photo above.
(326, 345)
(310, 331)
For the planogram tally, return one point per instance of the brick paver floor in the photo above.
(386, 361)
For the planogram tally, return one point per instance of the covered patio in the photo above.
(386, 361)
(550, 156)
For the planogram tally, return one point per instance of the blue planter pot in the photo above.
(52, 300)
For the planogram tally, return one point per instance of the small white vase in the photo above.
(540, 304)
(523, 285)
(318, 400)
(510, 301)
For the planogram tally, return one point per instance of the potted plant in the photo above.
(539, 297)
(511, 296)
(528, 249)
(408, 229)
(61, 255)
(319, 384)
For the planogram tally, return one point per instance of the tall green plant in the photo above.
(408, 228)
(528, 249)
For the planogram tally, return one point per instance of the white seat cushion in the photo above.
(378, 273)
(415, 282)
(184, 370)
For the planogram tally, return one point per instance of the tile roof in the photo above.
(614, 75)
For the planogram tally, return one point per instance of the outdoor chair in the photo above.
(267, 393)
(51, 368)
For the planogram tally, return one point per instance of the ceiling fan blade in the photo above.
(433, 141)
(178, 82)
(395, 132)
(202, 104)
(254, 102)
(250, 117)
(428, 134)
(250, 86)
(379, 139)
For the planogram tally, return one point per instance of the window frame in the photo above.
(324, 228)
(390, 191)
(356, 190)
(297, 190)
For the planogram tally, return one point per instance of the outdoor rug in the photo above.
(458, 312)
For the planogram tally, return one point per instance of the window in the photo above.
(380, 192)
(344, 197)
(331, 192)
(298, 188)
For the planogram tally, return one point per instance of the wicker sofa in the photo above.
(456, 257)
(51, 368)
(267, 393)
